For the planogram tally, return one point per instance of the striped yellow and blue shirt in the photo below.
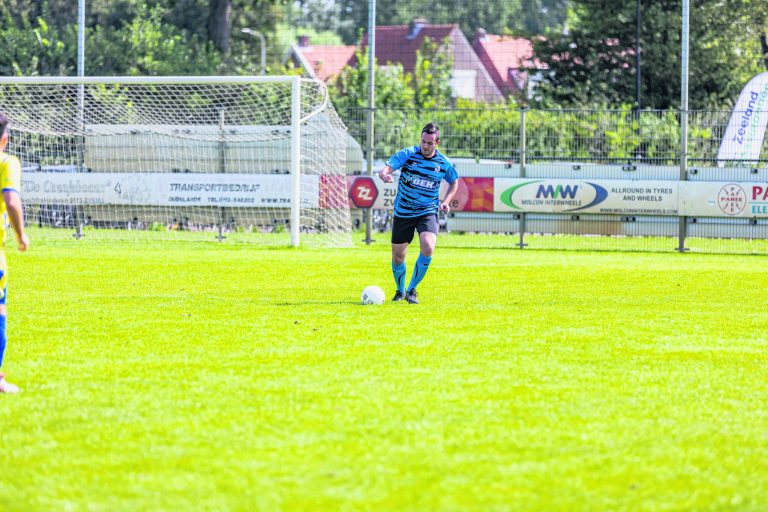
(10, 179)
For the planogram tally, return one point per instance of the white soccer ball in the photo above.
(372, 295)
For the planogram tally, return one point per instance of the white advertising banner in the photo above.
(745, 132)
(585, 196)
(167, 189)
(712, 199)
(387, 193)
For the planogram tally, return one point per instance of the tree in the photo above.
(318, 15)
(261, 14)
(431, 75)
(30, 46)
(219, 23)
(594, 64)
(427, 87)
(148, 46)
(128, 37)
(392, 87)
(543, 16)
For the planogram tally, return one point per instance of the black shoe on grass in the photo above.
(398, 296)
(412, 297)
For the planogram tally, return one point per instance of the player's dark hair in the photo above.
(3, 124)
(432, 128)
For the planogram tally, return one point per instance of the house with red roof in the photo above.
(398, 44)
(507, 60)
(324, 61)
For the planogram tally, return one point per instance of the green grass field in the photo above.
(204, 376)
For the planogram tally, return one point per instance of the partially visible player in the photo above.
(423, 168)
(10, 211)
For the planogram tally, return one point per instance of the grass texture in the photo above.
(205, 376)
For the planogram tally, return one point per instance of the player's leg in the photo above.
(5, 386)
(3, 337)
(398, 269)
(402, 235)
(427, 229)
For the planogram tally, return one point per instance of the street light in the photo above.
(263, 42)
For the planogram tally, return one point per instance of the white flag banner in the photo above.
(745, 132)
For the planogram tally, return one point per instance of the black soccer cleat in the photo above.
(412, 297)
(398, 296)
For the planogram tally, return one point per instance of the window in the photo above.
(463, 83)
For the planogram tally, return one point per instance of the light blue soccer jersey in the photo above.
(419, 186)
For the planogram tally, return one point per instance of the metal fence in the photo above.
(595, 136)
(578, 145)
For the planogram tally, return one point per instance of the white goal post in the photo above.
(242, 158)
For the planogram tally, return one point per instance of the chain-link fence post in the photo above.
(521, 223)
(683, 228)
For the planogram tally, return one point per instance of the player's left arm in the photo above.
(445, 204)
(452, 177)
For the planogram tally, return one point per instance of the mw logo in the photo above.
(557, 192)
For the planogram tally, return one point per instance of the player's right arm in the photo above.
(394, 163)
(386, 174)
(10, 183)
(16, 217)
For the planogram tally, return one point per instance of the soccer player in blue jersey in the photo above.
(10, 210)
(422, 168)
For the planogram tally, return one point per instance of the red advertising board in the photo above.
(363, 192)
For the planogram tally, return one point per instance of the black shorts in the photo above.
(403, 228)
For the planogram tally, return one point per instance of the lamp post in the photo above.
(263, 43)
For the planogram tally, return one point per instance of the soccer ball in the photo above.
(372, 295)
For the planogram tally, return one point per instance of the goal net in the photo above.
(253, 159)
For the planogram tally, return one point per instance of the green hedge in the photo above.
(493, 131)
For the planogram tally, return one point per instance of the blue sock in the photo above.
(419, 270)
(399, 272)
(2, 339)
